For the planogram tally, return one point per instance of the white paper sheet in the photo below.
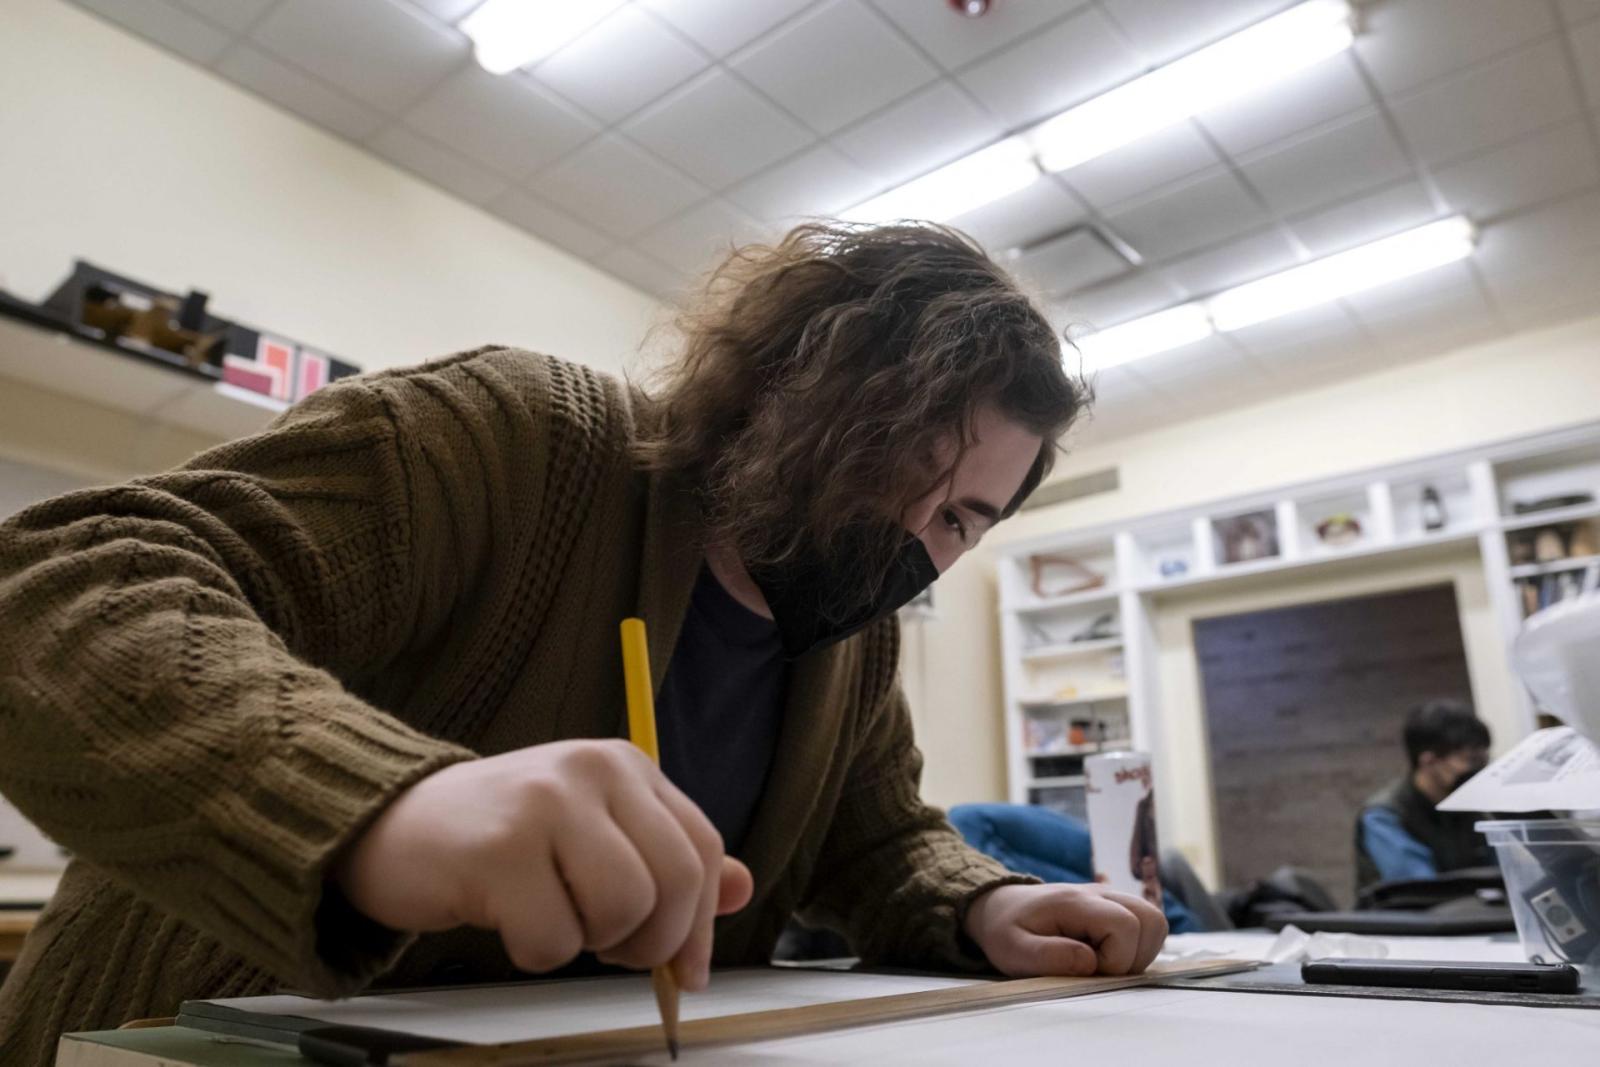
(1257, 944)
(1552, 770)
(523, 1012)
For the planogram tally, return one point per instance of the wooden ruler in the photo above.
(611, 1045)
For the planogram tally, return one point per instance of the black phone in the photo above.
(1433, 974)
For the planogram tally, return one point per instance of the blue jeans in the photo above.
(1045, 844)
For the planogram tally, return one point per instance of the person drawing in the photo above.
(1400, 833)
(339, 705)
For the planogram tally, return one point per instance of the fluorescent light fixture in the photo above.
(1339, 275)
(1249, 60)
(1133, 340)
(1233, 67)
(969, 183)
(1317, 282)
(508, 34)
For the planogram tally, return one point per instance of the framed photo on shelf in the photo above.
(1240, 538)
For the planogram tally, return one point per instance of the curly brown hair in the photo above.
(819, 375)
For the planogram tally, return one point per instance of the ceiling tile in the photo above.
(1141, 166)
(1578, 11)
(834, 65)
(1431, 336)
(442, 166)
(550, 223)
(1349, 156)
(1209, 361)
(1312, 367)
(235, 15)
(717, 130)
(1552, 311)
(695, 240)
(1318, 94)
(616, 186)
(167, 25)
(1544, 257)
(817, 181)
(383, 53)
(1117, 419)
(1264, 252)
(1365, 218)
(1544, 166)
(1586, 49)
(617, 67)
(1487, 105)
(292, 88)
(1186, 215)
(1077, 58)
(926, 130)
(1115, 302)
(721, 26)
(506, 123)
(1564, 229)
(1405, 43)
(1324, 328)
(644, 273)
(1041, 209)
(445, 10)
(1448, 288)
(1118, 386)
(1573, 288)
(955, 40)
(1073, 261)
(1162, 32)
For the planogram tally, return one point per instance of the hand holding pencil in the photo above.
(561, 848)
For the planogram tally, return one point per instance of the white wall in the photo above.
(117, 152)
(1535, 381)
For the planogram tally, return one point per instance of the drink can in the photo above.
(1121, 799)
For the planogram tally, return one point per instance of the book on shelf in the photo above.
(1541, 591)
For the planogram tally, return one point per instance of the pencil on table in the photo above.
(642, 731)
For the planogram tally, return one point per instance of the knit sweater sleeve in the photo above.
(893, 875)
(170, 699)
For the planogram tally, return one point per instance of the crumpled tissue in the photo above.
(1294, 945)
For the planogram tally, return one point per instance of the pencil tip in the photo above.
(672, 1048)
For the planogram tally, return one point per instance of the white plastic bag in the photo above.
(1557, 655)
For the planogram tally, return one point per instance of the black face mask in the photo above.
(816, 601)
(1462, 778)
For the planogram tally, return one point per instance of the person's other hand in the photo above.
(571, 846)
(1061, 929)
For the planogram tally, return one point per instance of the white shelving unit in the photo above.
(1055, 684)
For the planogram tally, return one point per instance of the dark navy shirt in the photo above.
(720, 707)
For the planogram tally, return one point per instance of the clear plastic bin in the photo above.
(1552, 872)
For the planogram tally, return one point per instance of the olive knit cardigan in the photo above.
(212, 679)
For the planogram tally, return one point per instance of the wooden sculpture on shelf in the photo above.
(1057, 575)
(162, 322)
(181, 332)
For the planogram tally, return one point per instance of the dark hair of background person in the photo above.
(818, 377)
(1443, 727)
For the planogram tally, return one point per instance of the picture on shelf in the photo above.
(1339, 531)
(1242, 538)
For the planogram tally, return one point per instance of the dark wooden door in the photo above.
(1303, 709)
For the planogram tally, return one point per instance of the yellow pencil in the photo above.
(642, 731)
